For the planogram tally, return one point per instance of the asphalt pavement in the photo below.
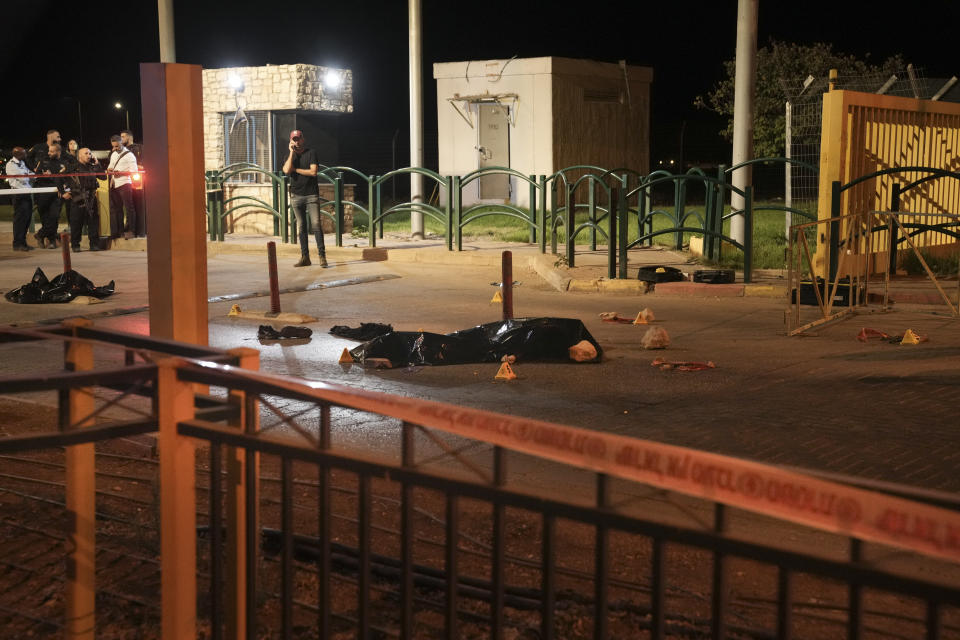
(825, 401)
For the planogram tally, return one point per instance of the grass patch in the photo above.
(940, 265)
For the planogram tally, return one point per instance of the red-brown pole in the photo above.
(274, 284)
(506, 285)
(65, 251)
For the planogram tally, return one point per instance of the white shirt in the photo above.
(18, 168)
(127, 163)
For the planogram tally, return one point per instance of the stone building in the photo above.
(539, 115)
(275, 99)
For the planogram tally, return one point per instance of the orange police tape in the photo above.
(753, 486)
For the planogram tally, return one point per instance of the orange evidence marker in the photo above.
(505, 372)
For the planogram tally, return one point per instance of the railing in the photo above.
(429, 534)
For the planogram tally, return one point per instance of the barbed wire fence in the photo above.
(804, 115)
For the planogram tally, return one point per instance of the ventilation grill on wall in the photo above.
(602, 95)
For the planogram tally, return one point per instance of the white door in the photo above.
(493, 150)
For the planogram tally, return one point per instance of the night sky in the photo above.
(59, 52)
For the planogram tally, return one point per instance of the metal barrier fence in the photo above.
(432, 535)
(612, 206)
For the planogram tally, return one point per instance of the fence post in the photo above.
(506, 283)
(543, 213)
(178, 506)
(718, 211)
(748, 234)
(449, 207)
(457, 211)
(379, 193)
(553, 218)
(710, 188)
(612, 235)
(571, 221)
(678, 209)
(623, 228)
(80, 487)
(592, 208)
(372, 215)
(895, 207)
(275, 183)
(236, 500)
(338, 209)
(284, 212)
(833, 244)
(532, 206)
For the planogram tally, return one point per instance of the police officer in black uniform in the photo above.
(49, 204)
(84, 208)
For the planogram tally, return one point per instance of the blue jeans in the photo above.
(302, 205)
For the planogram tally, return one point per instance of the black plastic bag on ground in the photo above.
(63, 288)
(529, 339)
(366, 331)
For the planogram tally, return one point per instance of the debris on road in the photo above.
(659, 273)
(666, 365)
(267, 332)
(583, 351)
(63, 288)
(644, 317)
(533, 339)
(908, 337)
(613, 316)
(912, 337)
(366, 331)
(655, 338)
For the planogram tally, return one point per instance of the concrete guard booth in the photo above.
(275, 100)
(539, 115)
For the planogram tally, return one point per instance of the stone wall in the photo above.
(269, 88)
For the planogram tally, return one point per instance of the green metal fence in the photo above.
(585, 204)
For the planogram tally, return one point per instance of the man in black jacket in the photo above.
(83, 207)
(49, 204)
(40, 150)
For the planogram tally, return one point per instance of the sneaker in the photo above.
(22, 247)
(76, 249)
(323, 261)
(52, 244)
(94, 247)
(127, 235)
(304, 262)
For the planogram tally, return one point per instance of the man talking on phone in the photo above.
(302, 166)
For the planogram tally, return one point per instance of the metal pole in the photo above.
(788, 173)
(65, 251)
(744, 85)
(506, 284)
(274, 286)
(416, 119)
(165, 23)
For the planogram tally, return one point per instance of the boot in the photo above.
(323, 260)
(304, 262)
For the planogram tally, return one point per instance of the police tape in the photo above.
(49, 176)
(752, 486)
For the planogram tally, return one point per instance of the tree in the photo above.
(782, 68)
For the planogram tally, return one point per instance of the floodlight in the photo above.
(236, 82)
(332, 79)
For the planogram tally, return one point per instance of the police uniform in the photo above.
(49, 204)
(84, 209)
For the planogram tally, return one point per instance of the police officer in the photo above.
(83, 207)
(49, 204)
(40, 150)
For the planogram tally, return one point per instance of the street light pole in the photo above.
(126, 112)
